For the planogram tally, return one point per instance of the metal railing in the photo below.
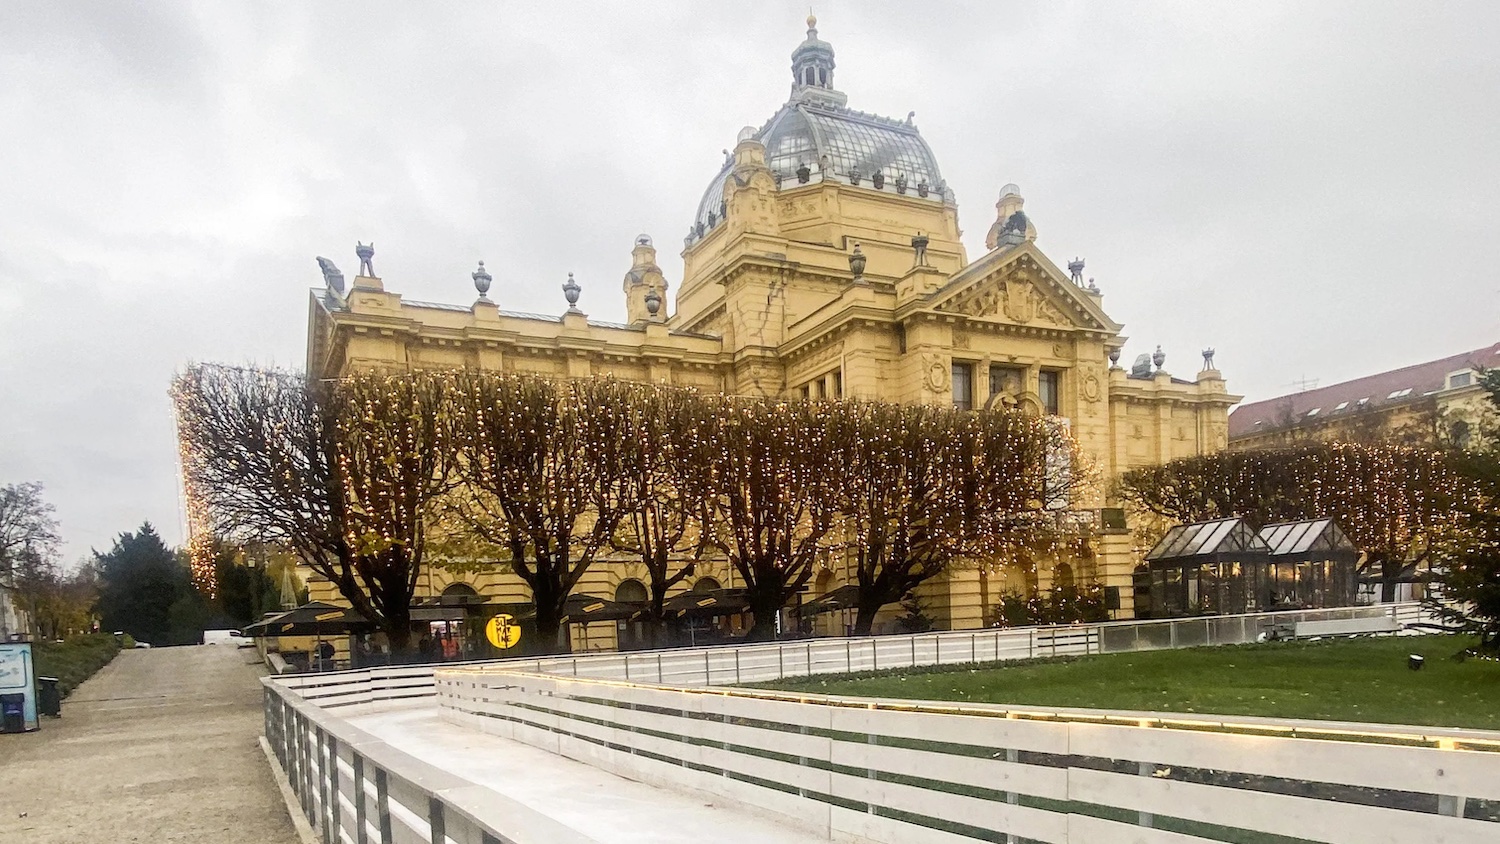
(355, 788)
(897, 771)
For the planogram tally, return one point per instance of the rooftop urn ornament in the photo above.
(1158, 358)
(1208, 358)
(366, 253)
(331, 276)
(653, 302)
(570, 291)
(1075, 269)
(1114, 358)
(857, 264)
(482, 281)
(919, 245)
(878, 180)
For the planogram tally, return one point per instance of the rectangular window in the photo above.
(838, 385)
(963, 386)
(806, 393)
(1459, 379)
(1006, 381)
(1048, 387)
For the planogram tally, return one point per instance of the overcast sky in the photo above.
(1311, 188)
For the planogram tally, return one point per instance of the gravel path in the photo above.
(160, 746)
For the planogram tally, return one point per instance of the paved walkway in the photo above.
(160, 746)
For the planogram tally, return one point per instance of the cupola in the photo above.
(812, 63)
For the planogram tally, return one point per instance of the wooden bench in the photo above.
(1336, 627)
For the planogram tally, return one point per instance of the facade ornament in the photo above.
(854, 175)
(571, 291)
(911, 118)
(901, 183)
(482, 281)
(857, 264)
(1158, 358)
(366, 253)
(1093, 288)
(922, 188)
(878, 180)
(653, 302)
(1114, 358)
(331, 276)
(1208, 358)
(804, 173)
(777, 177)
(1075, 269)
(919, 245)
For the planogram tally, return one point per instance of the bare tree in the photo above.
(659, 491)
(925, 487)
(771, 470)
(1393, 501)
(394, 460)
(26, 523)
(541, 461)
(262, 461)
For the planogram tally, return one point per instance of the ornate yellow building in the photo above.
(825, 261)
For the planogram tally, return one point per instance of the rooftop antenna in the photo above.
(1304, 384)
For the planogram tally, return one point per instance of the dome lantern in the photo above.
(812, 61)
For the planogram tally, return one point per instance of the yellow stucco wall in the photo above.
(769, 306)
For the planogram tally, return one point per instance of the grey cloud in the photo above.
(1307, 187)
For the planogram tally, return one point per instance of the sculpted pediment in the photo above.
(1023, 289)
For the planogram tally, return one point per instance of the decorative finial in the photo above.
(1158, 358)
(857, 264)
(571, 291)
(1208, 358)
(1114, 357)
(366, 254)
(812, 20)
(653, 302)
(482, 281)
(919, 245)
(1093, 288)
(911, 117)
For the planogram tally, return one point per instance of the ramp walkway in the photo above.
(160, 746)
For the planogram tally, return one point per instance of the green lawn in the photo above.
(1342, 679)
(75, 660)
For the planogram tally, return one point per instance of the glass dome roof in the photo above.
(836, 144)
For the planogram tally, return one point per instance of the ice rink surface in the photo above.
(598, 804)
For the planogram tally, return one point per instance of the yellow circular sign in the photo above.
(503, 631)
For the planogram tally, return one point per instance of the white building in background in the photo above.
(14, 622)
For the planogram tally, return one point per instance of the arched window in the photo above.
(459, 590)
(1460, 435)
(706, 584)
(631, 592)
(1062, 575)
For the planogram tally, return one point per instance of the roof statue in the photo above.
(366, 254)
(331, 276)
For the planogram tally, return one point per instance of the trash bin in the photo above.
(12, 713)
(48, 698)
